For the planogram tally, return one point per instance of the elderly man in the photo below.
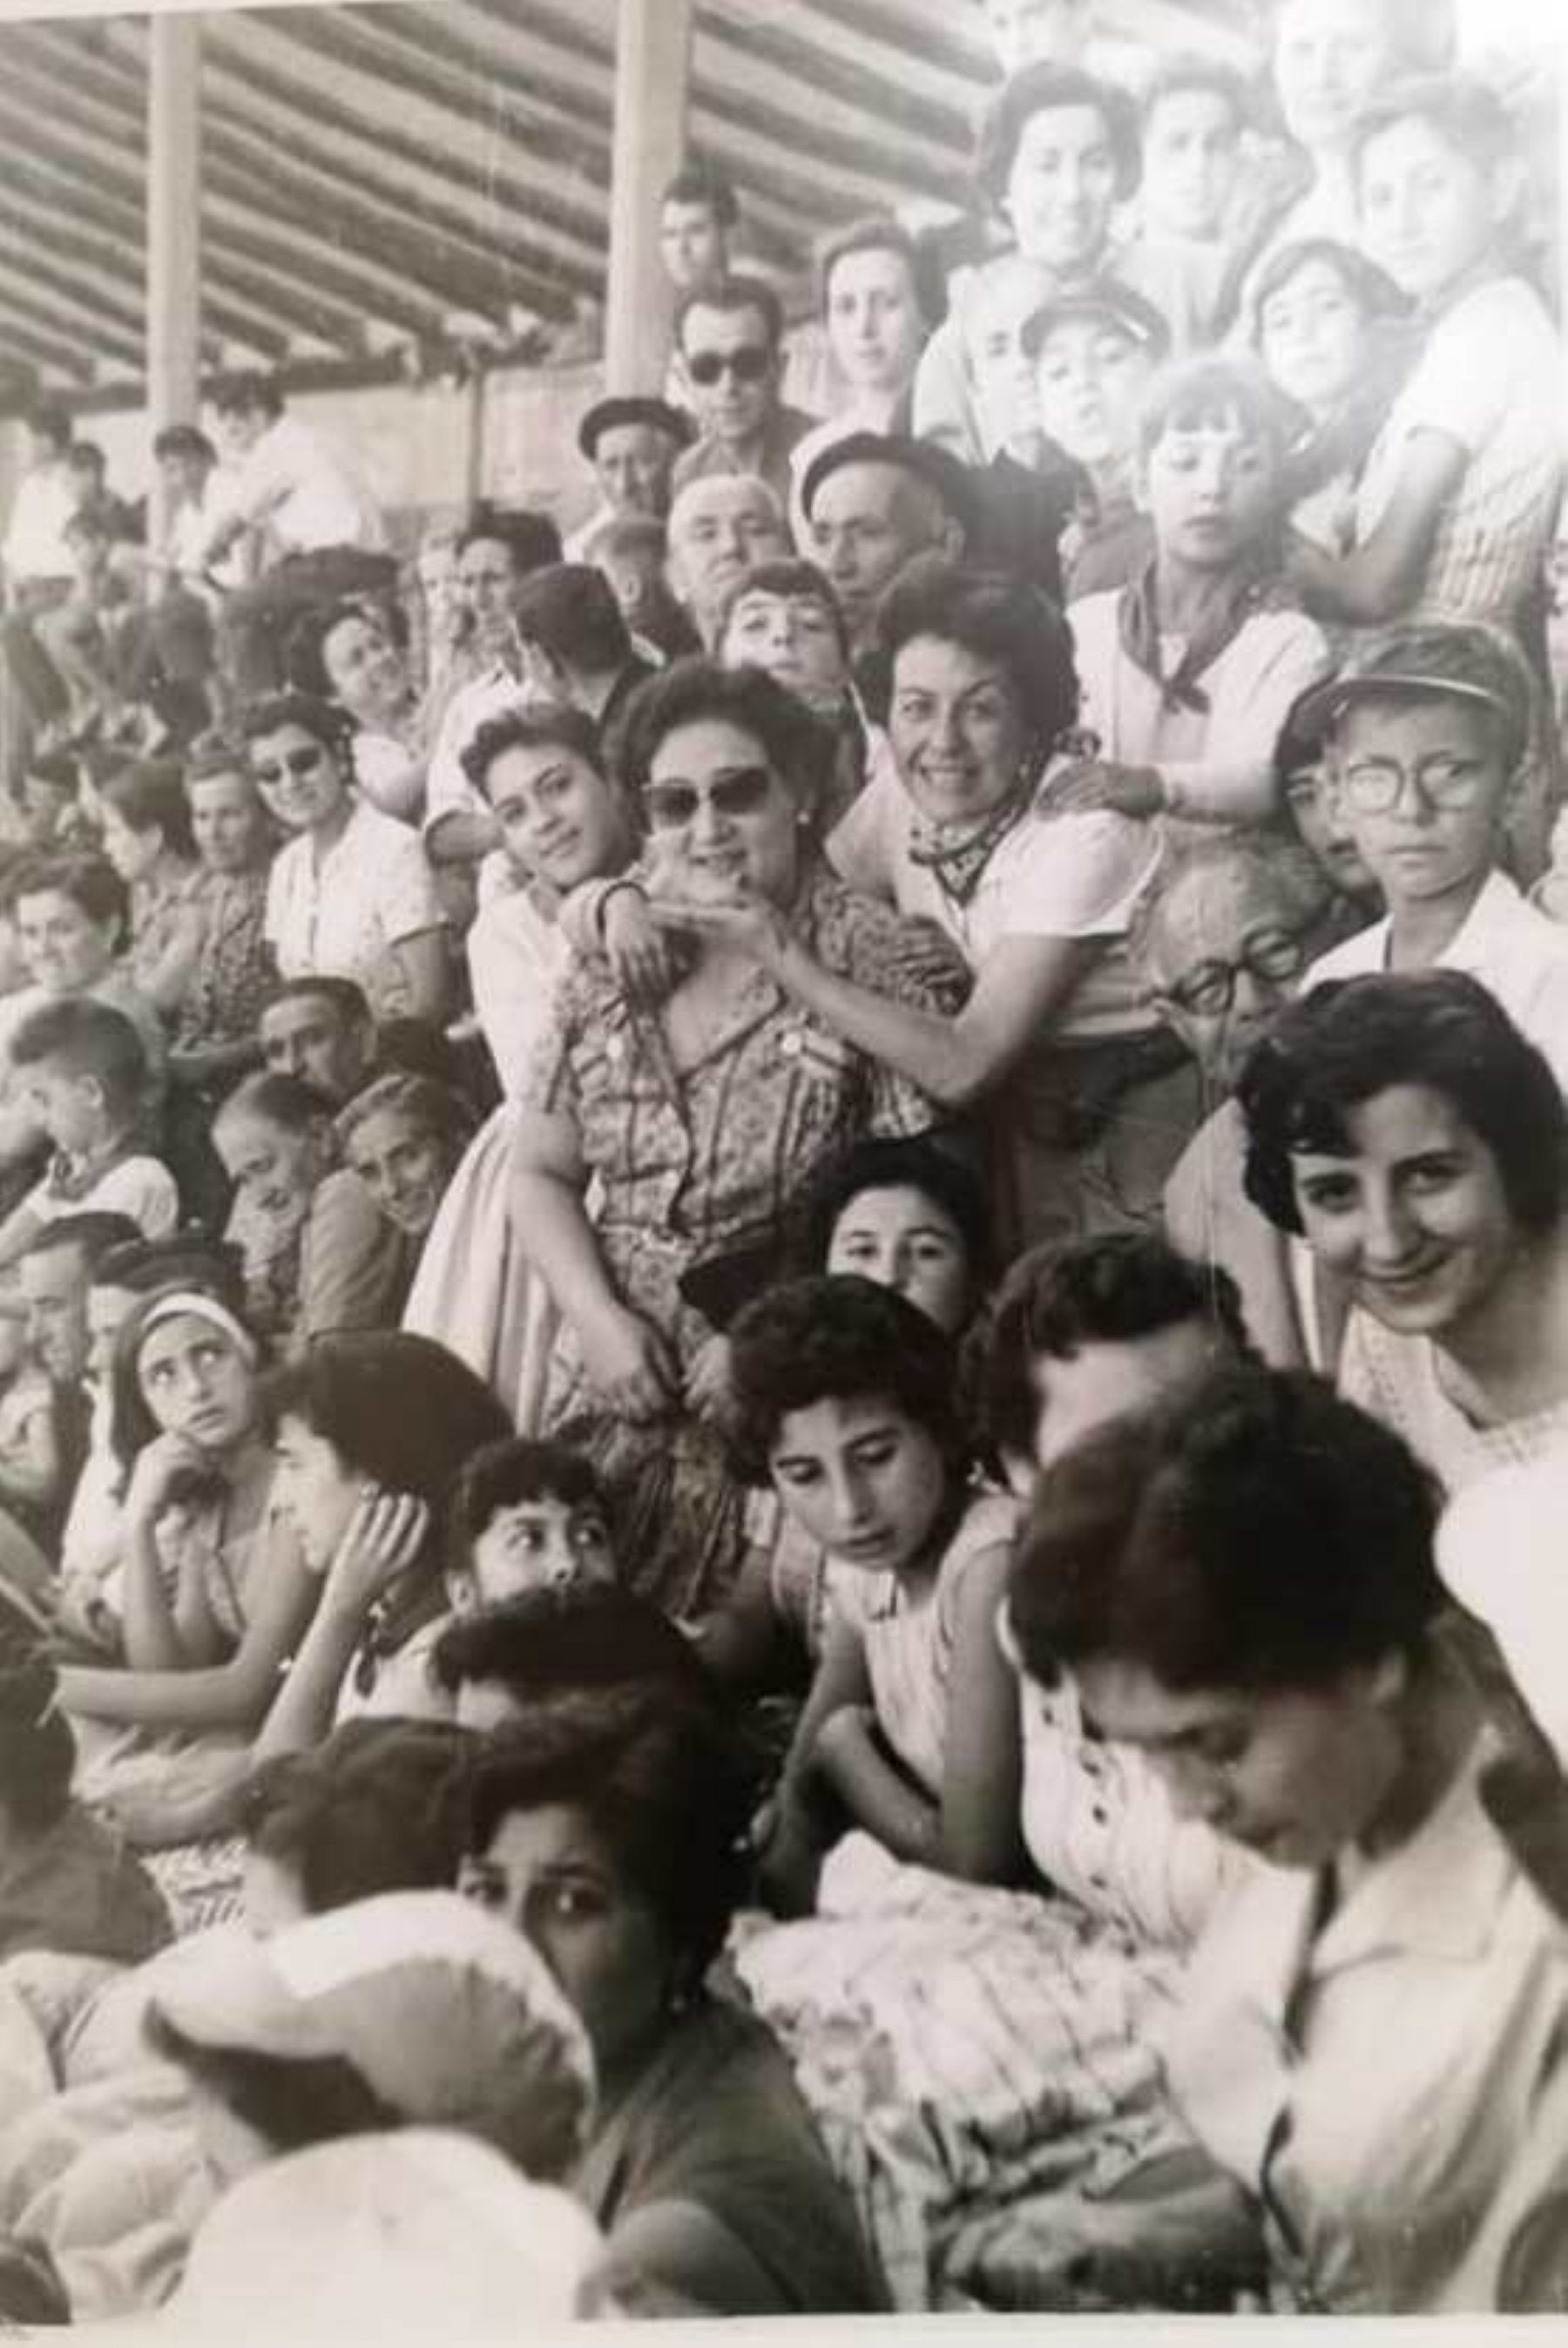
(718, 526)
(872, 502)
(1222, 942)
(631, 445)
(728, 339)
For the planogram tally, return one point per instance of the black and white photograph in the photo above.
(784, 1163)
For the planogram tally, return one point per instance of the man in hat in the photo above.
(631, 444)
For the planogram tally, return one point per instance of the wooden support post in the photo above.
(173, 230)
(652, 77)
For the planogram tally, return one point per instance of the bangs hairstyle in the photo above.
(396, 1408)
(326, 722)
(798, 746)
(998, 619)
(834, 1336)
(1351, 1039)
(663, 1782)
(1254, 1533)
(786, 575)
(1376, 295)
(1056, 1299)
(1045, 88)
(506, 1475)
(1211, 392)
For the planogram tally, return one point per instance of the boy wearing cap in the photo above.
(1189, 673)
(631, 445)
(1426, 734)
(1092, 356)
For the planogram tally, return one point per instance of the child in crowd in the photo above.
(1457, 503)
(1427, 730)
(911, 1217)
(1196, 112)
(527, 1516)
(82, 1068)
(1189, 673)
(1092, 356)
(1312, 806)
(67, 1882)
(844, 1400)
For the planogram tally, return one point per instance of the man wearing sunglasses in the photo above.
(1222, 944)
(728, 341)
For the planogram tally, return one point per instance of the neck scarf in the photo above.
(1239, 597)
(958, 853)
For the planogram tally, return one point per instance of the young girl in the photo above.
(66, 1882)
(843, 1398)
(909, 1217)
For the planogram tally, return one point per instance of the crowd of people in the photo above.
(783, 1292)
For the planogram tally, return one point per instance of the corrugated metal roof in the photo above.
(425, 170)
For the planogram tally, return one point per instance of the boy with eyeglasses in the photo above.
(1426, 734)
(728, 340)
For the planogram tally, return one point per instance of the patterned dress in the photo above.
(709, 1161)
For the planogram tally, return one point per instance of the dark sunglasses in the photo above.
(750, 364)
(298, 763)
(672, 804)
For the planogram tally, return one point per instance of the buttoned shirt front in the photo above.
(1375, 2081)
(344, 913)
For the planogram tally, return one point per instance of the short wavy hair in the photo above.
(1046, 88)
(1255, 1532)
(1351, 1039)
(798, 746)
(554, 726)
(834, 1335)
(326, 722)
(996, 617)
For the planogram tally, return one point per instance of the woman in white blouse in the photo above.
(351, 893)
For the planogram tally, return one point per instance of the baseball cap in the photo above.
(1106, 299)
(449, 2016)
(937, 466)
(1467, 660)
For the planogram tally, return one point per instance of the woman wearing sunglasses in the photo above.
(1091, 1100)
(701, 1122)
(351, 894)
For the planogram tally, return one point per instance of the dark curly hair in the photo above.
(834, 1335)
(1255, 1532)
(377, 1808)
(1351, 1039)
(797, 745)
(664, 1784)
(555, 726)
(1044, 88)
(517, 1468)
(908, 1162)
(997, 618)
(1058, 1298)
(326, 722)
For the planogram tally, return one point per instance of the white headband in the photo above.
(201, 1307)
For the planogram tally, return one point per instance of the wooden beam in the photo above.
(173, 226)
(652, 78)
(68, 335)
(46, 353)
(813, 65)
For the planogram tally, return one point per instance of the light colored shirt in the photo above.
(1216, 764)
(35, 545)
(1378, 2082)
(1514, 950)
(1490, 380)
(515, 957)
(1051, 876)
(140, 1186)
(1209, 1219)
(343, 914)
(299, 490)
(1400, 1380)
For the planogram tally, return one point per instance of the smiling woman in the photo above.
(1409, 1132)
